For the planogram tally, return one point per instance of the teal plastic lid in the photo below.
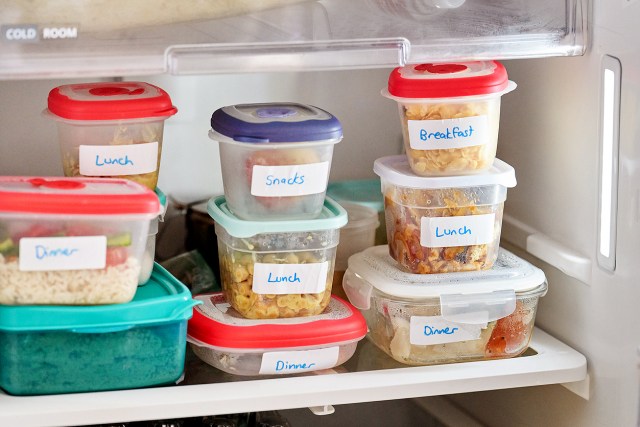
(162, 198)
(364, 192)
(162, 299)
(332, 216)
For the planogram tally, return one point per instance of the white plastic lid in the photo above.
(509, 272)
(396, 170)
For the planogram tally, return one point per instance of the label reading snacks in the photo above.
(430, 330)
(115, 160)
(290, 180)
(282, 279)
(447, 231)
(291, 362)
(62, 253)
(448, 133)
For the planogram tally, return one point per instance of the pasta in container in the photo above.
(277, 269)
(450, 114)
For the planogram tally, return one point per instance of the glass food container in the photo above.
(443, 224)
(72, 241)
(275, 158)
(57, 349)
(223, 338)
(450, 114)
(272, 269)
(446, 318)
(111, 129)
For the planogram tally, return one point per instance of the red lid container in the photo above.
(109, 101)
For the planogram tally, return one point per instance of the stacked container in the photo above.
(72, 254)
(277, 234)
(434, 294)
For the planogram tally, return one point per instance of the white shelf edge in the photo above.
(554, 363)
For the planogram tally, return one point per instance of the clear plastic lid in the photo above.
(76, 196)
(467, 297)
(364, 192)
(273, 123)
(396, 170)
(109, 101)
(449, 80)
(217, 324)
(332, 216)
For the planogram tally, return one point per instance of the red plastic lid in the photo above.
(448, 80)
(76, 196)
(110, 101)
(215, 323)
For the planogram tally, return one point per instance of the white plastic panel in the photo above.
(369, 376)
(40, 38)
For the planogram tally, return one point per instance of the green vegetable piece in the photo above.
(123, 239)
(6, 245)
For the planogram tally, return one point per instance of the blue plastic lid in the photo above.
(162, 299)
(364, 192)
(275, 122)
(332, 216)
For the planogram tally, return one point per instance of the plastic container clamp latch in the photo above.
(358, 290)
(478, 308)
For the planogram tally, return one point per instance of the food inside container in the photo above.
(56, 349)
(223, 338)
(276, 269)
(275, 158)
(443, 224)
(72, 241)
(446, 318)
(450, 114)
(111, 129)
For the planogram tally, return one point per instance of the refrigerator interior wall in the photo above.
(550, 131)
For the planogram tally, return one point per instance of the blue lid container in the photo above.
(70, 349)
(275, 122)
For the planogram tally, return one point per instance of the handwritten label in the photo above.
(63, 253)
(429, 330)
(448, 133)
(437, 232)
(291, 362)
(114, 160)
(290, 180)
(281, 279)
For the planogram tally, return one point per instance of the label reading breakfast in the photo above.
(448, 133)
(447, 231)
(291, 362)
(290, 180)
(281, 279)
(63, 253)
(430, 330)
(115, 160)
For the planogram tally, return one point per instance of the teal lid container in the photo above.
(74, 349)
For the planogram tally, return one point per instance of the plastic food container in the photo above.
(358, 235)
(221, 337)
(443, 224)
(150, 248)
(275, 158)
(111, 129)
(365, 192)
(446, 318)
(72, 241)
(450, 114)
(58, 349)
(275, 269)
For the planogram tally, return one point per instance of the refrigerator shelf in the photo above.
(42, 39)
(369, 376)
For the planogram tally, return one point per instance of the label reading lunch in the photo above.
(291, 362)
(438, 232)
(114, 160)
(430, 330)
(290, 180)
(63, 253)
(448, 133)
(281, 279)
